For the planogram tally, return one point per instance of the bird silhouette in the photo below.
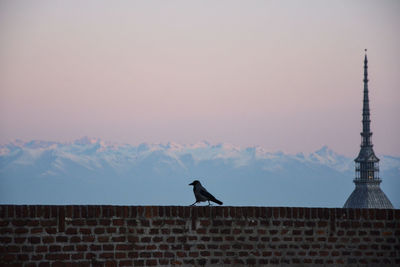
(201, 194)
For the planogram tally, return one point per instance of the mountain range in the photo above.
(92, 171)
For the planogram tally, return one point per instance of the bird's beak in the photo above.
(191, 184)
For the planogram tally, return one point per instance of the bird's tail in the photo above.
(217, 201)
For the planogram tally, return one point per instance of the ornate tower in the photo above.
(367, 193)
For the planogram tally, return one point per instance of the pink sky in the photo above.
(285, 75)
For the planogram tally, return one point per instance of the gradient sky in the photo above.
(285, 75)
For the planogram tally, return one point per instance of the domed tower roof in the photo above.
(367, 193)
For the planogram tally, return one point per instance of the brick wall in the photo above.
(176, 235)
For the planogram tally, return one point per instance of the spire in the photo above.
(366, 152)
(367, 193)
(366, 155)
(366, 133)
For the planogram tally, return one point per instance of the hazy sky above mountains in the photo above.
(285, 75)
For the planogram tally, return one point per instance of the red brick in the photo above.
(106, 255)
(19, 240)
(77, 256)
(174, 211)
(205, 253)
(81, 248)
(85, 231)
(119, 211)
(231, 212)
(71, 231)
(45, 223)
(58, 256)
(164, 262)
(249, 212)
(8, 258)
(216, 212)
(205, 223)
(253, 222)
(6, 230)
(108, 247)
(316, 213)
(168, 222)
(34, 240)
(51, 230)
(177, 231)
(145, 255)
(48, 239)
(251, 238)
(20, 231)
(61, 239)
(91, 222)
(112, 230)
(68, 248)
(390, 225)
(201, 231)
(55, 248)
(105, 222)
(154, 231)
(20, 222)
(287, 223)
(120, 255)
(124, 247)
(380, 214)
(260, 212)
(186, 212)
(133, 239)
(75, 239)
(91, 256)
(295, 213)
(78, 222)
(397, 214)
(108, 211)
(139, 247)
(36, 257)
(98, 230)
(182, 239)
(147, 210)
(126, 263)
(251, 261)
(110, 263)
(23, 257)
(84, 212)
(33, 223)
(378, 225)
(103, 239)
(68, 211)
(374, 233)
(118, 222)
(157, 223)
(118, 239)
(238, 212)
(12, 249)
(151, 247)
(10, 211)
(181, 254)
(146, 239)
(18, 211)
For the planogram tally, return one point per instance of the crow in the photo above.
(201, 194)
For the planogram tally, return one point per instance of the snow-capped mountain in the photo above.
(92, 171)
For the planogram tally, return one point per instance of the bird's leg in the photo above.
(209, 204)
(193, 203)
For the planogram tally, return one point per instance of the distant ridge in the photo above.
(90, 170)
